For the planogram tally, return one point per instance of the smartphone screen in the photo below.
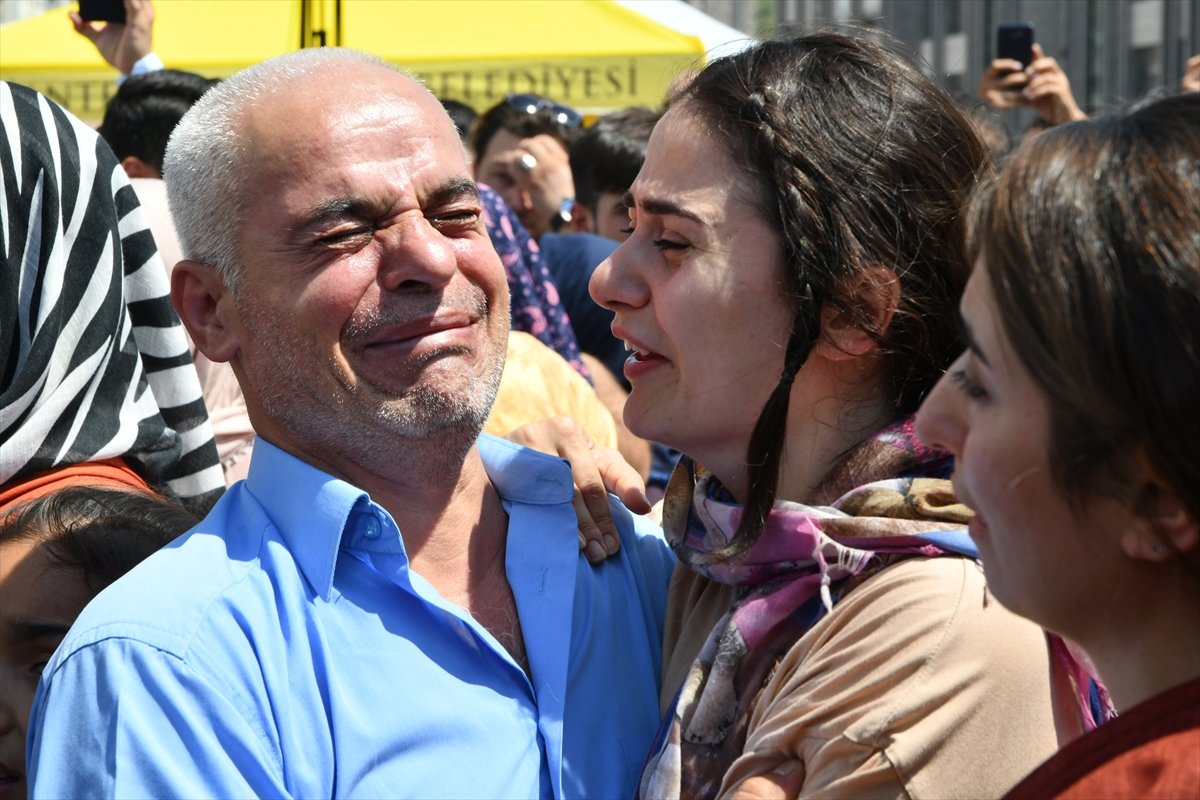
(1015, 40)
(102, 10)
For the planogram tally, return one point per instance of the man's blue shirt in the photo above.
(284, 648)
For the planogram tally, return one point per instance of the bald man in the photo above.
(390, 604)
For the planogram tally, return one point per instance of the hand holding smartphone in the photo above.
(1003, 82)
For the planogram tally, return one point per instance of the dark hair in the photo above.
(609, 154)
(461, 114)
(859, 160)
(1036, 127)
(1091, 242)
(519, 122)
(103, 533)
(991, 129)
(140, 117)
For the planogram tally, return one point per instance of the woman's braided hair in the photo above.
(859, 161)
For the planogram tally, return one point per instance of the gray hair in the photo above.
(203, 167)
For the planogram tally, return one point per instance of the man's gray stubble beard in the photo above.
(423, 415)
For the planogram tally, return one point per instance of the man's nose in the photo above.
(416, 255)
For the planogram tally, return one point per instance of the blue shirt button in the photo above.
(371, 528)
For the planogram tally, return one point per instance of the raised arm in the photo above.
(1049, 90)
(121, 44)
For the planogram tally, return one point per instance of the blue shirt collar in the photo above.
(282, 484)
(521, 475)
(313, 530)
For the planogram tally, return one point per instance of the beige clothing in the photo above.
(918, 685)
(539, 383)
(218, 384)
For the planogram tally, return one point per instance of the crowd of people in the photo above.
(792, 439)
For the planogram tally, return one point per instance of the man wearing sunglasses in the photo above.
(521, 147)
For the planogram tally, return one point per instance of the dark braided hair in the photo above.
(859, 161)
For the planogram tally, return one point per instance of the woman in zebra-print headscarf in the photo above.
(94, 364)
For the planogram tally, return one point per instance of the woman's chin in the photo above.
(648, 421)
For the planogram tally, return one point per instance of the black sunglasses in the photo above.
(533, 104)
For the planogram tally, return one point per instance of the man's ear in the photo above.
(1163, 529)
(207, 309)
(582, 219)
(873, 295)
(136, 168)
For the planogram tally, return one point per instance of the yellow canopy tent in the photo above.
(215, 38)
(595, 55)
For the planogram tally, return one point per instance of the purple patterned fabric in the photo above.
(536, 308)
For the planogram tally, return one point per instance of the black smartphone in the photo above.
(102, 10)
(1015, 40)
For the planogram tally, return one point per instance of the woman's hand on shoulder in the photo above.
(597, 471)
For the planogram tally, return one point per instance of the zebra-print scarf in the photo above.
(93, 360)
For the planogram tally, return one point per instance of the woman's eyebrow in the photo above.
(24, 630)
(653, 205)
(964, 330)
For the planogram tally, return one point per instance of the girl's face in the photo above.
(698, 297)
(39, 599)
(1043, 559)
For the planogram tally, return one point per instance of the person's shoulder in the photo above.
(523, 475)
(940, 603)
(929, 629)
(644, 547)
(921, 634)
(904, 608)
(166, 599)
(1163, 768)
(638, 526)
(916, 583)
(919, 619)
(1149, 751)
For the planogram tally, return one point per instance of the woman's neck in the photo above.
(824, 423)
(812, 449)
(1157, 648)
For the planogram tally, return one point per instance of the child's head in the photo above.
(57, 552)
